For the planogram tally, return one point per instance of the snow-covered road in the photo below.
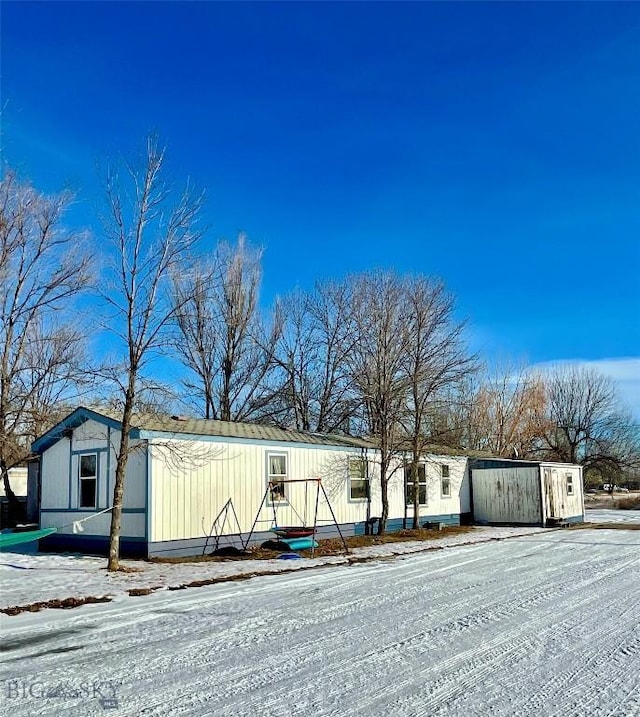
(30, 577)
(547, 624)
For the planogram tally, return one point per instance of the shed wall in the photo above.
(558, 503)
(507, 495)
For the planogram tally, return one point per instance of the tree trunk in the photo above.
(225, 400)
(384, 496)
(121, 470)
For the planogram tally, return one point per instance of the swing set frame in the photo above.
(319, 490)
(217, 532)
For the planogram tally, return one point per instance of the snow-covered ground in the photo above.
(608, 515)
(546, 624)
(28, 578)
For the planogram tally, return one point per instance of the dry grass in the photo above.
(603, 526)
(630, 503)
(331, 546)
(65, 604)
(137, 592)
(127, 569)
(625, 501)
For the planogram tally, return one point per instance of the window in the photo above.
(569, 484)
(410, 484)
(358, 483)
(88, 471)
(276, 475)
(445, 481)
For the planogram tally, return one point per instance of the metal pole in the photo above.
(235, 515)
(315, 519)
(215, 520)
(264, 497)
(333, 515)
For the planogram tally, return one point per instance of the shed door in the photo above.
(548, 490)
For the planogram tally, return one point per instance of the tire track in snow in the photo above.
(537, 599)
(267, 671)
(338, 666)
(315, 660)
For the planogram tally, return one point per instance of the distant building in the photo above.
(18, 484)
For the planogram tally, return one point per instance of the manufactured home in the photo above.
(183, 475)
(182, 472)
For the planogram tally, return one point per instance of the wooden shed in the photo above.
(526, 493)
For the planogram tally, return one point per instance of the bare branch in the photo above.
(150, 238)
(43, 267)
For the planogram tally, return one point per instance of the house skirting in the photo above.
(394, 524)
(139, 548)
(571, 520)
(200, 546)
(92, 545)
(575, 519)
(539, 524)
(205, 546)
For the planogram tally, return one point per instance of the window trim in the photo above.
(82, 478)
(569, 483)
(365, 479)
(445, 477)
(270, 478)
(423, 482)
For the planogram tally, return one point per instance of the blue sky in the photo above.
(494, 145)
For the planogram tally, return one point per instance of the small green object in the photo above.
(299, 543)
(8, 540)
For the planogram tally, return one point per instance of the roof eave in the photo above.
(73, 420)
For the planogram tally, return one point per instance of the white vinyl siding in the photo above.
(65, 464)
(185, 498)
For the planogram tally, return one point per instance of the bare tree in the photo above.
(508, 412)
(223, 338)
(295, 355)
(587, 423)
(435, 359)
(197, 339)
(335, 334)
(376, 365)
(317, 338)
(56, 373)
(152, 237)
(43, 267)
